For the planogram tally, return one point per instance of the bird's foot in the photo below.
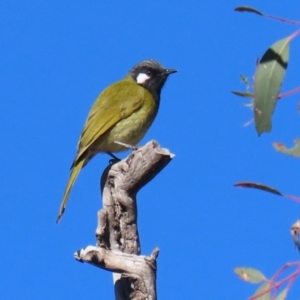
(126, 145)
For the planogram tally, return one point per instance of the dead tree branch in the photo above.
(118, 245)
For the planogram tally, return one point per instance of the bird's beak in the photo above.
(170, 71)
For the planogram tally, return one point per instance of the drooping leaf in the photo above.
(242, 94)
(282, 295)
(268, 80)
(294, 151)
(248, 9)
(258, 186)
(250, 275)
(265, 296)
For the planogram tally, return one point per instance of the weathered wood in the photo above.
(118, 245)
(141, 270)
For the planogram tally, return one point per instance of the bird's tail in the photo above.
(74, 173)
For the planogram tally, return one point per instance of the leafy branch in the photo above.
(264, 94)
(268, 78)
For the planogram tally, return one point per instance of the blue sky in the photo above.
(56, 56)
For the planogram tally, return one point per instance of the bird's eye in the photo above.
(149, 72)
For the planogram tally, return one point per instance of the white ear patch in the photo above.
(141, 78)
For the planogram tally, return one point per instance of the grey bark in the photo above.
(117, 239)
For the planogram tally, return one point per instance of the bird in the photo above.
(123, 112)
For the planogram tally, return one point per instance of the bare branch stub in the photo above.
(118, 245)
(141, 270)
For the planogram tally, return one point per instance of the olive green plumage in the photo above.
(123, 112)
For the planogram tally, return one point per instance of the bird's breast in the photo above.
(131, 129)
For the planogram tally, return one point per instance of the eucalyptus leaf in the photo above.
(282, 295)
(264, 287)
(242, 94)
(294, 151)
(258, 186)
(248, 9)
(268, 80)
(250, 275)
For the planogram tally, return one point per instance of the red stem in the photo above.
(282, 20)
(291, 197)
(277, 285)
(294, 91)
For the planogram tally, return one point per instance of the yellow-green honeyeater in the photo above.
(123, 112)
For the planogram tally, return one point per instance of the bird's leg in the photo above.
(126, 145)
(114, 158)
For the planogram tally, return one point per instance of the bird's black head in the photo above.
(151, 75)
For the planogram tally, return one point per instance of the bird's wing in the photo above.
(115, 103)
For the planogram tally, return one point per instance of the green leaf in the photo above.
(294, 151)
(248, 9)
(282, 295)
(258, 186)
(264, 287)
(250, 275)
(242, 94)
(268, 80)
